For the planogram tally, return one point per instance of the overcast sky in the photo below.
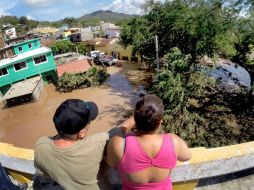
(53, 10)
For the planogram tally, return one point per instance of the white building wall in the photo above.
(59, 32)
(113, 33)
(87, 29)
(107, 25)
(86, 36)
(11, 33)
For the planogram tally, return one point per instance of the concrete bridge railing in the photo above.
(205, 163)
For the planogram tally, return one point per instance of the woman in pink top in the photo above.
(146, 157)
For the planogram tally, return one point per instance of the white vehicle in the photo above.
(95, 53)
(108, 60)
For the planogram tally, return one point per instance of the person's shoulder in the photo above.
(43, 145)
(182, 150)
(175, 138)
(98, 137)
(115, 150)
(42, 141)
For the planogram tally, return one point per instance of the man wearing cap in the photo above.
(71, 158)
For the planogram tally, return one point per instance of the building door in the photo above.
(49, 78)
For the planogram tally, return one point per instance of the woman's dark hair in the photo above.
(148, 113)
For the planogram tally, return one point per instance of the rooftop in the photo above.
(25, 41)
(22, 56)
(76, 66)
(105, 42)
(116, 28)
(21, 39)
(102, 42)
(22, 88)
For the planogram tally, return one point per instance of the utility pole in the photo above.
(77, 48)
(157, 52)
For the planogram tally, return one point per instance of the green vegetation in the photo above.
(197, 27)
(196, 109)
(93, 77)
(65, 46)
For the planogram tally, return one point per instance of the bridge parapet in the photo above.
(205, 163)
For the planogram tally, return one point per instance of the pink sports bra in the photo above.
(135, 159)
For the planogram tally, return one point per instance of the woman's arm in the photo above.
(114, 148)
(182, 150)
(114, 151)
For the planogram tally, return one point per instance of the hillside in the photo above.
(108, 16)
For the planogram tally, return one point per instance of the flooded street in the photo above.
(23, 125)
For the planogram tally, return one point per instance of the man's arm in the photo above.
(41, 180)
(123, 128)
(127, 125)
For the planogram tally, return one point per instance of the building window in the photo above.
(30, 46)
(3, 72)
(40, 59)
(20, 48)
(20, 66)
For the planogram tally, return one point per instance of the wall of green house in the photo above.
(29, 71)
(4, 89)
(51, 74)
(36, 43)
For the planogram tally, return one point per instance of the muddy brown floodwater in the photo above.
(23, 125)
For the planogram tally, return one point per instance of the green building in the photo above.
(30, 59)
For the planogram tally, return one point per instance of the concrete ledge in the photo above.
(17, 159)
(215, 161)
(204, 164)
(212, 168)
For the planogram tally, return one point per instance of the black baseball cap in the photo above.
(73, 115)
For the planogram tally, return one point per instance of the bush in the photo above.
(93, 77)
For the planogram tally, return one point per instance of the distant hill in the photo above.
(108, 16)
(23, 25)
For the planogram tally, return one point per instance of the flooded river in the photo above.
(23, 125)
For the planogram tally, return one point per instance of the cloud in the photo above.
(56, 13)
(50, 2)
(5, 5)
(29, 17)
(127, 6)
(39, 2)
(52, 10)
